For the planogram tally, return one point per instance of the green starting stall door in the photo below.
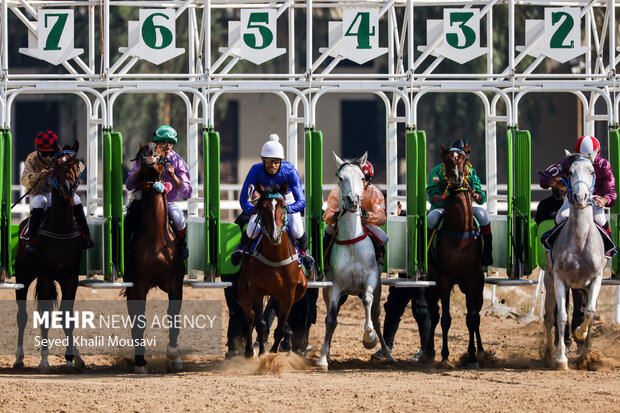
(314, 194)
(416, 202)
(5, 212)
(521, 230)
(614, 159)
(113, 248)
(215, 257)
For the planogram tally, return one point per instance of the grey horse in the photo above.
(577, 261)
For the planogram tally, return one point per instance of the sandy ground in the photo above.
(513, 376)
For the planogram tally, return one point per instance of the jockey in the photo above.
(373, 213)
(604, 187)
(177, 174)
(274, 171)
(36, 169)
(436, 188)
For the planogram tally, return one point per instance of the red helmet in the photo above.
(45, 141)
(588, 145)
(368, 170)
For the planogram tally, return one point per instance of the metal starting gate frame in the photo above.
(410, 72)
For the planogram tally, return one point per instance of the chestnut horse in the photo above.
(458, 257)
(59, 251)
(272, 269)
(152, 254)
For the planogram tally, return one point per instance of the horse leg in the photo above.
(474, 305)
(22, 320)
(432, 300)
(173, 353)
(46, 293)
(376, 321)
(136, 307)
(560, 298)
(595, 286)
(261, 325)
(247, 306)
(331, 321)
(72, 354)
(370, 337)
(284, 308)
(446, 321)
(549, 315)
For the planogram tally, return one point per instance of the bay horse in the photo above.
(272, 269)
(353, 266)
(457, 259)
(57, 259)
(577, 261)
(153, 258)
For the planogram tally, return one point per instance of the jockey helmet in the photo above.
(165, 133)
(272, 148)
(368, 170)
(588, 145)
(459, 144)
(45, 141)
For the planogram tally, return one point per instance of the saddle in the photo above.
(255, 250)
(549, 237)
(23, 235)
(376, 243)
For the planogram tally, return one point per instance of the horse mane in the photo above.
(347, 162)
(271, 190)
(574, 156)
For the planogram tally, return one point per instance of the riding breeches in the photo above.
(45, 201)
(176, 216)
(562, 215)
(295, 226)
(435, 215)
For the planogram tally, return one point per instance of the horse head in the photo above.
(272, 212)
(580, 180)
(351, 183)
(66, 169)
(455, 165)
(152, 162)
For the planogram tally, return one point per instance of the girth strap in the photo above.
(48, 234)
(293, 258)
(351, 241)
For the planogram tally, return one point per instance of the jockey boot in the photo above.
(36, 216)
(487, 250)
(306, 259)
(181, 235)
(606, 228)
(80, 218)
(244, 244)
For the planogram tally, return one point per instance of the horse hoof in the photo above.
(69, 363)
(176, 364)
(79, 362)
(249, 354)
(427, 357)
(18, 365)
(445, 364)
(561, 365)
(322, 363)
(473, 365)
(581, 334)
(44, 367)
(172, 352)
(140, 370)
(370, 340)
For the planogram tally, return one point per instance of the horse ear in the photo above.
(466, 147)
(567, 153)
(283, 189)
(339, 161)
(443, 147)
(260, 189)
(361, 161)
(76, 146)
(56, 148)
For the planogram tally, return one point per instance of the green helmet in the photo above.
(165, 133)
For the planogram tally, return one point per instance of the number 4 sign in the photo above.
(54, 39)
(153, 37)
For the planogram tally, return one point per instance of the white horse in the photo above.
(353, 266)
(577, 261)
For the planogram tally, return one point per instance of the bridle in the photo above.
(571, 185)
(341, 196)
(259, 217)
(52, 179)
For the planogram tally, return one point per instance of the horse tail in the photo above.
(47, 287)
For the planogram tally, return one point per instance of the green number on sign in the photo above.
(149, 32)
(363, 30)
(557, 40)
(54, 36)
(468, 32)
(257, 21)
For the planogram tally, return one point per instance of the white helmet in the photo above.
(272, 148)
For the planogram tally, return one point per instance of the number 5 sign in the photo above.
(460, 32)
(153, 37)
(54, 39)
(562, 34)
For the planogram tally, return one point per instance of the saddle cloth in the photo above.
(549, 237)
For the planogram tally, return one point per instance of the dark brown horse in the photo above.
(152, 253)
(272, 269)
(458, 257)
(59, 250)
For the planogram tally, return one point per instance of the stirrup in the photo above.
(307, 261)
(30, 245)
(87, 243)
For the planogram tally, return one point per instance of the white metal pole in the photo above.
(106, 39)
(5, 39)
(91, 38)
(618, 304)
(511, 37)
(309, 36)
(207, 37)
(410, 42)
(612, 35)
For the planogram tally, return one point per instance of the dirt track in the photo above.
(513, 379)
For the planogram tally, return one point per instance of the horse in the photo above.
(457, 260)
(353, 266)
(577, 260)
(272, 269)
(153, 258)
(59, 251)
